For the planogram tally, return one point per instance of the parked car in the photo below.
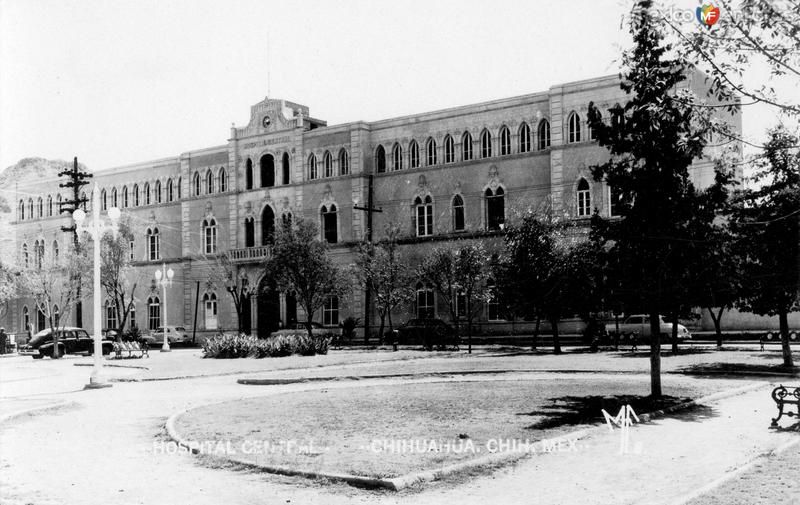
(175, 335)
(298, 327)
(638, 325)
(71, 340)
(428, 332)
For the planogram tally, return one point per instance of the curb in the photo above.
(735, 372)
(34, 410)
(112, 365)
(404, 481)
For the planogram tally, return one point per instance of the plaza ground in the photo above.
(103, 445)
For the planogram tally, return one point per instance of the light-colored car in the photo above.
(175, 334)
(639, 325)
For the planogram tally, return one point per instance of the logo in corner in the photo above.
(707, 15)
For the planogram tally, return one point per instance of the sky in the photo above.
(119, 82)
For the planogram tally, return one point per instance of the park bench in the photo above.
(784, 396)
(132, 348)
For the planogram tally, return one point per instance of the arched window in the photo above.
(41, 320)
(210, 309)
(285, 168)
(248, 174)
(25, 260)
(210, 236)
(397, 157)
(573, 128)
(180, 188)
(267, 226)
(344, 162)
(430, 151)
(40, 207)
(38, 254)
(153, 313)
(495, 208)
(493, 302)
(286, 219)
(524, 138)
(103, 201)
(26, 319)
(56, 315)
(111, 315)
(132, 315)
(147, 193)
(158, 191)
(617, 116)
(209, 182)
(544, 135)
(223, 180)
(458, 213)
(329, 224)
(114, 197)
(153, 244)
(21, 210)
(592, 131)
(424, 216)
(267, 171)
(55, 252)
(312, 167)
(330, 311)
(486, 144)
(380, 159)
(584, 198)
(125, 201)
(327, 161)
(30, 207)
(466, 147)
(449, 149)
(249, 232)
(196, 184)
(505, 141)
(413, 154)
(135, 195)
(426, 305)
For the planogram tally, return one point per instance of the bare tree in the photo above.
(239, 282)
(117, 277)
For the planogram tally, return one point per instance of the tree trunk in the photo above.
(787, 351)
(655, 354)
(717, 318)
(556, 341)
(308, 325)
(674, 333)
(536, 333)
(382, 315)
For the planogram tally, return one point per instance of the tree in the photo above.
(652, 141)
(239, 282)
(459, 274)
(766, 220)
(385, 270)
(117, 277)
(7, 288)
(300, 264)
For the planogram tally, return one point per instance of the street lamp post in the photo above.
(164, 279)
(96, 228)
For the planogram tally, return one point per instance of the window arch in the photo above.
(147, 193)
(209, 182)
(486, 144)
(267, 226)
(135, 195)
(153, 313)
(466, 147)
(458, 213)
(103, 201)
(21, 210)
(312, 166)
(344, 162)
(267, 171)
(249, 232)
(413, 154)
(327, 162)
(449, 149)
(495, 208)
(584, 198)
(524, 138)
(210, 236)
(114, 197)
(573, 128)
(285, 168)
(210, 311)
(430, 151)
(380, 159)
(223, 180)
(426, 304)
(196, 184)
(329, 223)
(38, 254)
(505, 141)
(153, 244)
(157, 191)
(170, 191)
(125, 200)
(286, 219)
(424, 216)
(397, 156)
(544, 135)
(30, 207)
(248, 174)
(40, 207)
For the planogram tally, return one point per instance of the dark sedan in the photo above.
(431, 333)
(70, 341)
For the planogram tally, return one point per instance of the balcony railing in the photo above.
(251, 254)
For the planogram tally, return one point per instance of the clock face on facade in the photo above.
(265, 121)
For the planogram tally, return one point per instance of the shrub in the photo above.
(349, 328)
(228, 346)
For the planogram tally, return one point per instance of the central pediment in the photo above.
(272, 115)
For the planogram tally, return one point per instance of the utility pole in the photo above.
(369, 209)
(76, 179)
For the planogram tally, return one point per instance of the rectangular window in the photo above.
(493, 306)
(154, 315)
(425, 307)
(153, 247)
(330, 312)
(212, 322)
(613, 202)
(111, 316)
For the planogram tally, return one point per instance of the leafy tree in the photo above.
(652, 141)
(118, 278)
(767, 223)
(239, 282)
(385, 270)
(300, 264)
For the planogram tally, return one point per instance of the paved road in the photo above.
(107, 449)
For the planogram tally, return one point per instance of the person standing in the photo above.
(3, 340)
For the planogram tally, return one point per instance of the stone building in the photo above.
(440, 176)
